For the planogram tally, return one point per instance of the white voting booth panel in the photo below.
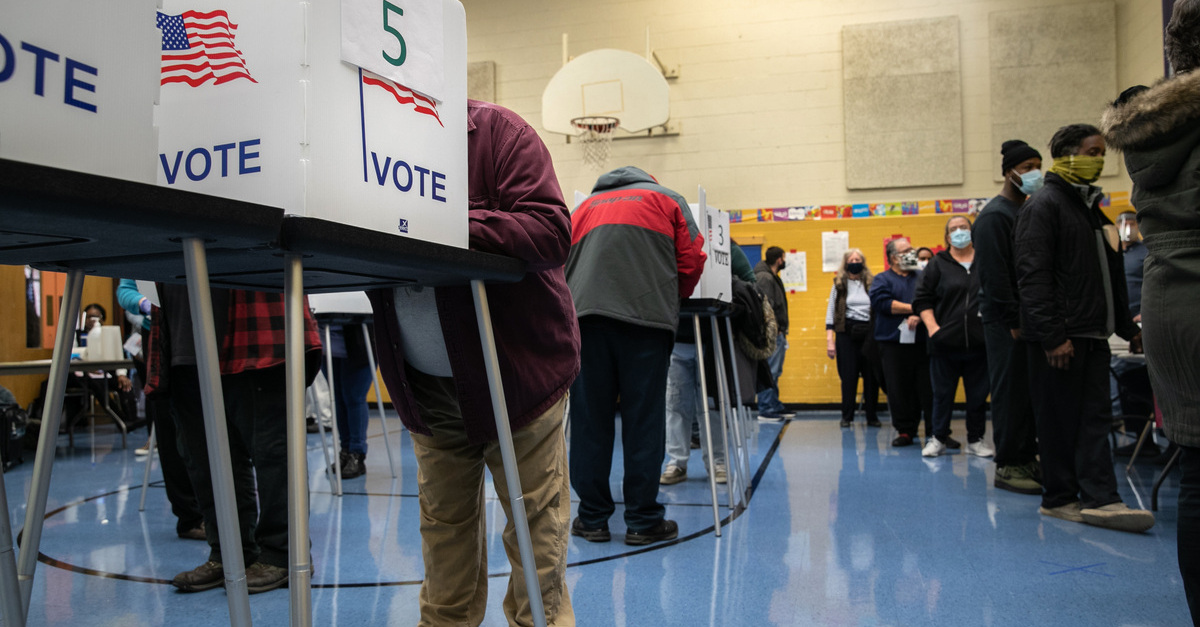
(277, 117)
(717, 280)
(340, 303)
(78, 82)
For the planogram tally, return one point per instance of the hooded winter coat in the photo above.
(1158, 130)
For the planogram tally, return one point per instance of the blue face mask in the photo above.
(960, 238)
(1031, 181)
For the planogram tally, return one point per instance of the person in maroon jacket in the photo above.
(635, 253)
(431, 359)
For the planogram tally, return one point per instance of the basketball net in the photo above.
(595, 133)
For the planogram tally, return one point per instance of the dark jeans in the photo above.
(170, 457)
(255, 414)
(350, 396)
(1188, 538)
(906, 368)
(1013, 425)
(630, 362)
(1074, 417)
(944, 373)
(851, 364)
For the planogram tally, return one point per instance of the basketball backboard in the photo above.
(606, 82)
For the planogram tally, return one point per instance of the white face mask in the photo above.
(921, 263)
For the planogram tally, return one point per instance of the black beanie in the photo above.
(1015, 152)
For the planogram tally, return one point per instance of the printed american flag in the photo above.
(198, 47)
(404, 95)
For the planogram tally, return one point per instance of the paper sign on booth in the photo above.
(400, 40)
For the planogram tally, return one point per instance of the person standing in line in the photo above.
(924, 256)
(947, 302)
(847, 323)
(905, 361)
(431, 358)
(766, 274)
(635, 253)
(1158, 129)
(352, 377)
(1072, 293)
(1014, 430)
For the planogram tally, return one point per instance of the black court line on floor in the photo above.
(737, 512)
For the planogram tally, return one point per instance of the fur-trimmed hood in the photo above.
(1153, 117)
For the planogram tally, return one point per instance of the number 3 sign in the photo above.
(400, 40)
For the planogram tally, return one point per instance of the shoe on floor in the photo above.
(663, 531)
(142, 451)
(952, 443)
(721, 476)
(874, 422)
(980, 449)
(903, 439)
(770, 417)
(1068, 512)
(1017, 479)
(1118, 516)
(695, 443)
(311, 426)
(195, 533)
(846, 423)
(262, 577)
(206, 576)
(355, 465)
(599, 534)
(933, 448)
(672, 475)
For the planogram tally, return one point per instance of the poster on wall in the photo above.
(833, 246)
(795, 272)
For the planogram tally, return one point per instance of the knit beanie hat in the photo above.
(1015, 152)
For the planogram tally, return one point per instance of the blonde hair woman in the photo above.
(847, 325)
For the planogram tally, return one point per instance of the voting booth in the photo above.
(78, 83)
(717, 279)
(334, 110)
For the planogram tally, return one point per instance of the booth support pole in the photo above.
(146, 474)
(741, 445)
(731, 474)
(333, 428)
(299, 553)
(712, 482)
(511, 473)
(56, 386)
(387, 437)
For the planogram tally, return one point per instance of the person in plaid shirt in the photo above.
(250, 334)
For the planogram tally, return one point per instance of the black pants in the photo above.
(851, 364)
(906, 368)
(1188, 538)
(255, 413)
(627, 361)
(1012, 410)
(1074, 416)
(944, 373)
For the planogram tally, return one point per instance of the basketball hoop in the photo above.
(596, 133)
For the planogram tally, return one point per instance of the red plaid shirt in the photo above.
(254, 338)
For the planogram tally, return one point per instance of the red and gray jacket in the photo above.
(635, 251)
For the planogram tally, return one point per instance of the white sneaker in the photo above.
(721, 476)
(980, 449)
(933, 448)
(672, 475)
(142, 451)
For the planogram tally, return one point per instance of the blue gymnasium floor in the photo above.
(842, 529)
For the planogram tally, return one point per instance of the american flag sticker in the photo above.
(404, 96)
(198, 47)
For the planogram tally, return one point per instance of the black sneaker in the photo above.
(599, 534)
(206, 576)
(846, 423)
(663, 531)
(903, 439)
(952, 443)
(874, 422)
(354, 465)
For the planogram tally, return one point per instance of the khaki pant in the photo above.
(453, 530)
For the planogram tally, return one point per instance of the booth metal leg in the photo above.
(56, 386)
(337, 440)
(712, 481)
(216, 431)
(511, 474)
(10, 590)
(146, 474)
(387, 437)
(731, 473)
(299, 551)
(738, 416)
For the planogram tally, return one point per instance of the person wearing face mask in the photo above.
(847, 322)
(1014, 431)
(766, 276)
(924, 256)
(947, 302)
(1071, 286)
(905, 361)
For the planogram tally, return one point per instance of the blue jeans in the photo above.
(683, 408)
(350, 395)
(768, 399)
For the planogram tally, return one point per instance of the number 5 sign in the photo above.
(400, 40)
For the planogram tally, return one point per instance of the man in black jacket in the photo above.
(766, 274)
(1072, 292)
(1017, 468)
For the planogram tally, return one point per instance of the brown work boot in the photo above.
(206, 576)
(262, 577)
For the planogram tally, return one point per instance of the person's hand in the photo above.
(933, 329)
(913, 321)
(124, 383)
(1135, 345)
(1016, 333)
(144, 306)
(1061, 356)
(1137, 319)
(831, 349)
